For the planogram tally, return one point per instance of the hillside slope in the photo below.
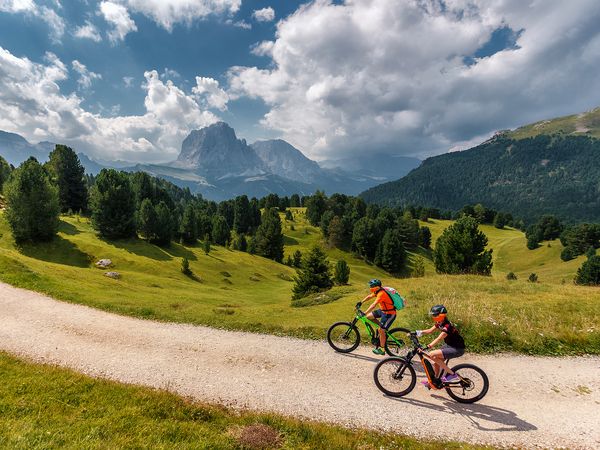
(245, 292)
(527, 177)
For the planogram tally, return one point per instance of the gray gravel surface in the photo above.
(533, 401)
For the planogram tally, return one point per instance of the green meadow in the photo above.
(47, 407)
(236, 290)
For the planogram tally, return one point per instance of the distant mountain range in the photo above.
(549, 167)
(218, 165)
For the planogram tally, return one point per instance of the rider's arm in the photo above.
(437, 339)
(428, 331)
(372, 307)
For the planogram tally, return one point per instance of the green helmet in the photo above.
(374, 283)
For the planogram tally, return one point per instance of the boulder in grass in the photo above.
(114, 275)
(103, 263)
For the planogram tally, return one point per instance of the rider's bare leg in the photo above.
(382, 337)
(439, 364)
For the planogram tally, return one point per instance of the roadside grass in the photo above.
(47, 407)
(494, 314)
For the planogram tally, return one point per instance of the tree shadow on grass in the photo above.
(67, 228)
(142, 248)
(57, 251)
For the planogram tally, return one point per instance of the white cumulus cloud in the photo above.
(209, 92)
(86, 77)
(264, 14)
(55, 22)
(169, 12)
(118, 17)
(88, 31)
(401, 77)
(32, 104)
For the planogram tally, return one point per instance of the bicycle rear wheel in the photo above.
(395, 377)
(397, 345)
(473, 388)
(343, 337)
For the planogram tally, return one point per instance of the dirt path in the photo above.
(545, 402)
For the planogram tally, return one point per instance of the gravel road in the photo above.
(533, 402)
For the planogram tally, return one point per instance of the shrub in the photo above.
(461, 249)
(533, 278)
(341, 274)
(567, 254)
(32, 203)
(511, 276)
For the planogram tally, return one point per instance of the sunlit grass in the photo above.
(549, 317)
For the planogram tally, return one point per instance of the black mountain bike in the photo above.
(344, 337)
(396, 376)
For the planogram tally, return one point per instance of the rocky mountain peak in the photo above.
(216, 152)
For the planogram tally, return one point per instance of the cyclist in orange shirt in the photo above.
(385, 315)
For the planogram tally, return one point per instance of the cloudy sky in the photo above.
(128, 79)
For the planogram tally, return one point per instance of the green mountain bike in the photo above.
(344, 337)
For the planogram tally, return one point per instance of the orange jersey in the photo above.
(385, 302)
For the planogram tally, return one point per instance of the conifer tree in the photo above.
(113, 205)
(164, 227)
(269, 238)
(393, 254)
(189, 226)
(461, 249)
(206, 244)
(341, 273)
(220, 230)
(32, 203)
(68, 174)
(589, 272)
(314, 275)
(147, 221)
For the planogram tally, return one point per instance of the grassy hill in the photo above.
(587, 123)
(550, 167)
(236, 290)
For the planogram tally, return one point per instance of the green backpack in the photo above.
(397, 299)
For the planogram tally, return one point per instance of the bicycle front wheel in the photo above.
(396, 341)
(343, 337)
(473, 386)
(395, 377)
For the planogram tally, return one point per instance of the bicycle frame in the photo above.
(427, 363)
(370, 325)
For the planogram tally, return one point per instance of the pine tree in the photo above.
(461, 249)
(241, 214)
(206, 244)
(336, 233)
(189, 226)
(589, 272)
(5, 170)
(32, 203)
(113, 205)
(393, 254)
(68, 174)
(315, 207)
(147, 221)
(269, 238)
(341, 273)
(418, 269)
(364, 238)
(297, 258)
(500, 220)
(164, 226)
(220, 230)
(425, 237)
(314, 275)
